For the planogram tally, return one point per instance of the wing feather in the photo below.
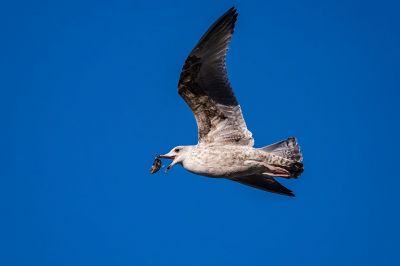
(205, 87)
(264, 183)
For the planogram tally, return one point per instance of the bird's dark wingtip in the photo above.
(231, 12)
(291, 194)
(286, 192)
(232, 9)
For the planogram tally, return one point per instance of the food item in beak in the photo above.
(156, 165)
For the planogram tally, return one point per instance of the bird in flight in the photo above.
(225, 145)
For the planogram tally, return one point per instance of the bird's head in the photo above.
(177, 154)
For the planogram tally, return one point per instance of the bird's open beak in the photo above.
(170, 166)
(168, 156)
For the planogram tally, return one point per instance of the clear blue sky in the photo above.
(88, 97)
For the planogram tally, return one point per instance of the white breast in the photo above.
(218, 161)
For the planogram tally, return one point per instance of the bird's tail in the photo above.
(287, 157)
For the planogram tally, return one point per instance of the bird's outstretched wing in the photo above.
(205, 87)
(265, 183)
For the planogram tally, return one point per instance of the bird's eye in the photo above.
(177, 150)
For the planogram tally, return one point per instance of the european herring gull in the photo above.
(225, 145)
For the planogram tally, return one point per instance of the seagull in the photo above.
(225, 145)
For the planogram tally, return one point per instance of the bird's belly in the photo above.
(223, 165)
(218, 171)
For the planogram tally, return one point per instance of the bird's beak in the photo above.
(168, 156)
(170, 166)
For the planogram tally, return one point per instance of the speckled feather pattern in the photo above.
(231, 160)
(225, 145)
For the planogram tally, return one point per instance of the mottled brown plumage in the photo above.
(205, 87)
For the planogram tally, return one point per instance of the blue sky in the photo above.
(88, 97)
